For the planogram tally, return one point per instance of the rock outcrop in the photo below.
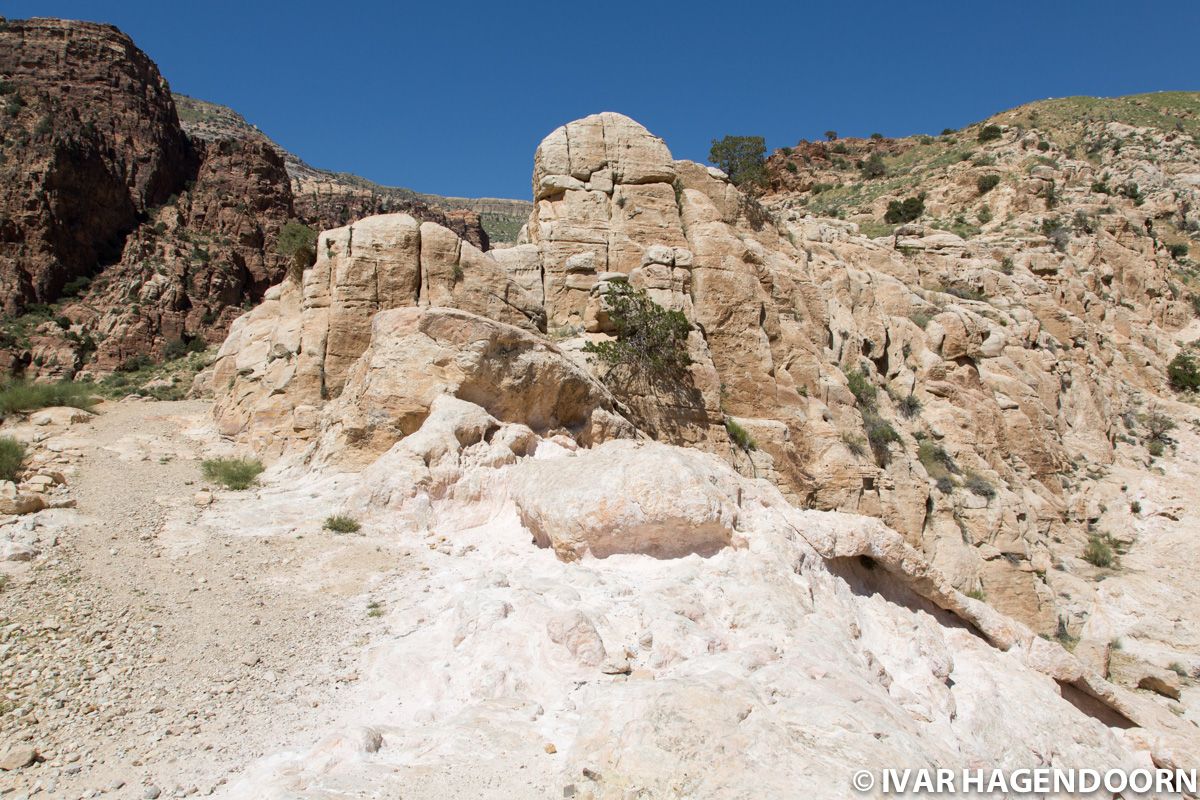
(862, 382)
(91, 144)
(145, 232)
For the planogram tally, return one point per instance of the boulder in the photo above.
(628, 497)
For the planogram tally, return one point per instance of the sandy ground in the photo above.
(146, 654)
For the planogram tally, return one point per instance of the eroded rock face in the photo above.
(975, 408)
(630, 665)
(92, 144)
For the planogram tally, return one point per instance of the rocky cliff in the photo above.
(970, 392)
(986, 396)
(126, 233)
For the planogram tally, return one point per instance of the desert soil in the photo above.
(147, 655)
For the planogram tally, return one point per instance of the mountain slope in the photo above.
(501, 218)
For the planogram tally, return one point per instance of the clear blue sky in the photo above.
(453, 97)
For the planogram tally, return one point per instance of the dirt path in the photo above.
(147, 655)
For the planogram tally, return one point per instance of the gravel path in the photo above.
(144, 655)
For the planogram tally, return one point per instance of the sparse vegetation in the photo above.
(340, 523)
(906, 210)
(989, 133)
(1099, 552)
(938, 463)
(12, 456)
(874, 167)
(1135, 507)
(854, 444)
(1183, 373)
(861, 387)
(651, 341)
(880, 435)
(298, 242)
(22, 396)
(986, 183)
(909, 406)
(232, 473)
(978, 485)
(739, 435)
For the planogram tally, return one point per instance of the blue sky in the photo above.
(453, 97)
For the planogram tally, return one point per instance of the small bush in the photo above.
(1155, 448)
(76, 286)
(1177, 251)
(990, 133)
(742, 158)
(19, 396)
(985, 215)
(909, 406)
(232, 473)
(854, 444)
(340, 523)
(1183, 374)
(945, 485)
(1135, 507)
(740, 436)
(987, 182)
(906, 210)
(298, 242)
(135, 363)
(861, 387)
(880, 435)
(936, 461)
(1099, 552)
(651, 341)
(979, 485)
(12, 456)
(874, 167)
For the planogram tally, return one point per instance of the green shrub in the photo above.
(135, 363)
(831, 135)
(178, 348)
(987, 182)
(945, 485)
(907, 210)
(1007, 265)
(880, 435)
(791, 166)
(985, 215)
(1135, 507)
(1099, 552)
(297, 242)
(861, 387)
(740, 436)
(979, 485)
(12, 456)
(1182, 373)
(76, 286)
(909, 406)
(937, 462)
(854, 444)
(1177, 251)
(18, 396)
(1155, 448)
(651, 341)
(340, 523)
(874, 167)
(232, 473)
(990, 133)
(742, 158)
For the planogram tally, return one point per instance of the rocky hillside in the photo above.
(999, 400)
(126, 234)
(338, 197)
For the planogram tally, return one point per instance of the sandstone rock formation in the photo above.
(616, 676)
(984, 405)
